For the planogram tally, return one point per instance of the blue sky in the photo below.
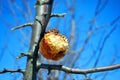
(14, 42)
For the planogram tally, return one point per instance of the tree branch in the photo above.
(23, 55)
(22, 26)
(78, 71)
(37, 34)
(12, 71)
(57, 15)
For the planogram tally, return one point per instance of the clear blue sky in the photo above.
(14, 42)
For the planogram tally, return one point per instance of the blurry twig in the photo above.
(19, 9)
(102, 46)
(110, 24)
(111, 62)
(100, 9)
(83, 46)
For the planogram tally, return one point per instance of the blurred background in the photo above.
(91, 26)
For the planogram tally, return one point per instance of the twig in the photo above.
(103, 44)
(52, 15)
(100, 9)
(78, 71)
(22, 26)
(23, 55)
(89, 34)
(58, 15)
(12, 71)
(111, 62)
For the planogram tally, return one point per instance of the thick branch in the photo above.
(78, 71)
(11, 71)
(37, 33)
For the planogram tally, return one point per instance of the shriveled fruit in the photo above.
(53, 45)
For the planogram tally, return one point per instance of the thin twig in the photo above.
(78, 71)
(23, 55)
(111, 63)
(89, 34)
(100, 7)
(58, 15)
(22, 26)
(11, 71)
(103, 44)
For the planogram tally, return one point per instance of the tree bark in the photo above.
(37, 33)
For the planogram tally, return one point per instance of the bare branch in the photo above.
(78, 71)
(23, 55)
(22, 26)
(58, 15)
(11, 71)
(37, 34)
